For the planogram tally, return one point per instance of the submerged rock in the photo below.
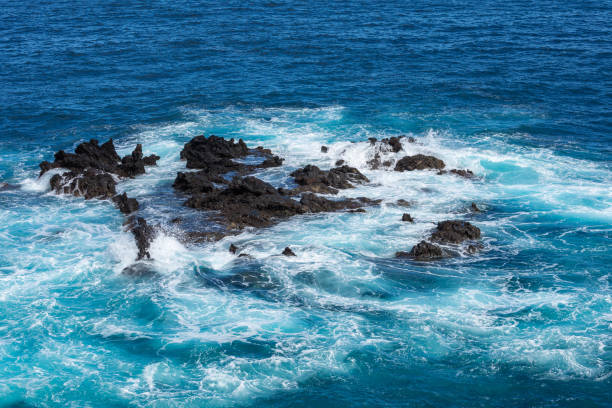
(455, 232)
(419, 162)
(475, 208)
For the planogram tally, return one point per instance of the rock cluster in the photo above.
(93, 171)
(446, 232)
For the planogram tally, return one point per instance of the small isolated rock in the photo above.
(324, 149)
(475, 208)
(288, 252)
(455, 232)
(339, 162)
(233, 248)
(372, 140)
(419, 162)
(472, 249)
(407, 218)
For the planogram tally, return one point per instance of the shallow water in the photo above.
(519, 93)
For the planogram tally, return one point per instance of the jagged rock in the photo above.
(419, 162)
(126, 205)
(194, 182)
(455, 231)
(233, 248)
(288, 252)
(475, 208)
(372, 140)
(143, 233)
(89, 184)
(91, 166)
(407, 218)
(247, 201)
(86, 155)
(311, 178)
(339, 162)
(324, 149)
(422, 251)
(200, 152)
(394, 143)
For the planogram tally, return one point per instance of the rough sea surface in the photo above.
(520, 92)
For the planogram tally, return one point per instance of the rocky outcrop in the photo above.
(214, 155)
(89, 183)
(422, 251)
(104, 158)
(311, 178)
(143, 233)
(125, 204)
(93, 173)
(455, 232)
(419, 162)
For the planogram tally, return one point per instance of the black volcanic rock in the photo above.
(87, 184)
(422, 251)
(455, 232)
(288, 252)
(311, 178)
(125, 204)
(407, 218)
(419, 162)
(201, 152)
(143, 233)
(195, 182)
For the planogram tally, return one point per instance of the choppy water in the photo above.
(518, 92)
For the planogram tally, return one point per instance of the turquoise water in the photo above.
(518, 93)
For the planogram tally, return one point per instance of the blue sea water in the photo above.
(520, 92)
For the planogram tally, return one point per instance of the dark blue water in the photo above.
(520, 92)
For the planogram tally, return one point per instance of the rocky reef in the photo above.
(220, 184)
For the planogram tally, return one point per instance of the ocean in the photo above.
(518, 92)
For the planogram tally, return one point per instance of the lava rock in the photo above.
(455, 231)
(200, 152)
(324, 149)
(407, 218)
(394, 143)
(419, 162)
(288, 252)
(144, 235)
(422, 251)
(89, 184)
(475, 208)
(194, 182)
(312, 178)
(126, 205)
(233, 248)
